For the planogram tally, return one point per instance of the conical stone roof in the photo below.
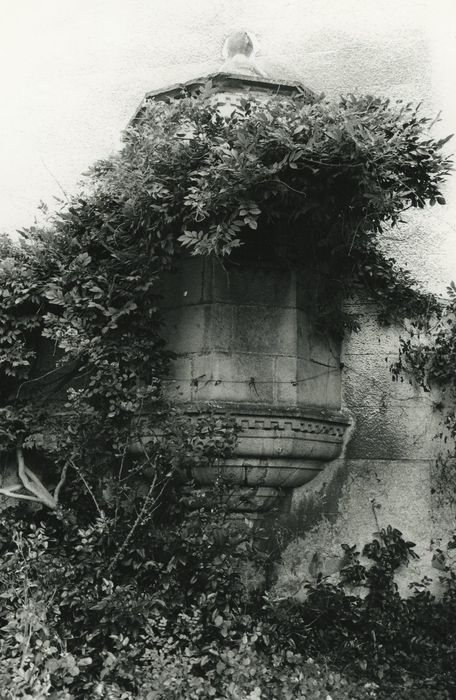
(240, 72)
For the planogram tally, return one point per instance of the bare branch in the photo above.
(139, 520)
(41, 490)
(36, 379)
(31, 483)
(89, 490)
(11, 493)
(58, 488)
(21, 469)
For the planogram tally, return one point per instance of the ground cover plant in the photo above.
(176, 616)
(119, 578)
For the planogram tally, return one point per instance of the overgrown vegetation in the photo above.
(119, 580)
(175, 615)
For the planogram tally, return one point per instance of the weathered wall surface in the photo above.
(230, 327)
(388, 474)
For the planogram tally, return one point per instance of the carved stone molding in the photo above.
(278, 449)
(285, 425)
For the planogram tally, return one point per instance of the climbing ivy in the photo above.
(427, 356)
(310, 185)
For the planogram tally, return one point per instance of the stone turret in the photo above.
(244, 343)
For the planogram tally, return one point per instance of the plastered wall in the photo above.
(73, 73)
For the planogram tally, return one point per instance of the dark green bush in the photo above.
(177, 615)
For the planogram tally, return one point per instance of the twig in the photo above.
(63, 474)
(373, 506)
(36, 379)
(135, 526)
(89, 490)
(53, 177)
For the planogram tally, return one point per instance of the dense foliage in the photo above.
(81, 356)
(126, 585)
(182, 614)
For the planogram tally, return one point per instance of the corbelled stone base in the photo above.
(278, 449)
(245, 346)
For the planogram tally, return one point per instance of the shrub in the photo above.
(176, 617)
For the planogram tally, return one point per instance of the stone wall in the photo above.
(388, 474)
(243, 341)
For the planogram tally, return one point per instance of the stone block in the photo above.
(273, 446)
(285, 375)
(198, 328)
(186, 328)
(177, 385)
(264, 330)
(219, 332)
(303, 333)
(233, 377)
(318, 384)
(206, 475)
(324, 349)
(283, 476)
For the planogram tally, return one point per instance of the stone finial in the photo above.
(238, 53)
(238, 43)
